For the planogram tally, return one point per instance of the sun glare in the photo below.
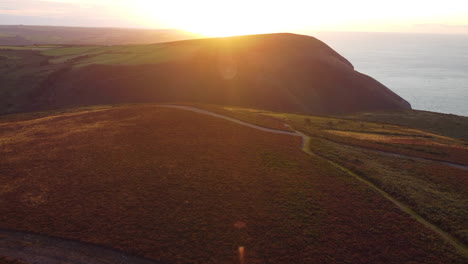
(227, 18)
(221, 18)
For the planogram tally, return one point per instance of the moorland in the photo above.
(183, 152)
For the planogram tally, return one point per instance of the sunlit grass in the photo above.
(118, 55)
(65, 51)
(34, 47)
(442, 124)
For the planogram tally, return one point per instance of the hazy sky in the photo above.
(217, 17)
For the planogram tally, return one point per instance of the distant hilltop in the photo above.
(280, 72)
(30, 35)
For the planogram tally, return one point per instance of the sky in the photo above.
(223, 18)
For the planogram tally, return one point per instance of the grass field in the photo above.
(436, 191)
(110, 55)
(73, 50)
(253, 116)
(21, 74)
(382, 136)
(32, 47)
(181, 187)
(442, 124)
(119, 55)
(360, 133)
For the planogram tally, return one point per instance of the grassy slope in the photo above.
(285, 72)
(253, 116)
(112, 55)
(21, 73)
(435, 191)
(33, 47)
(380, 136)
(177, 186)
(385, 137)
(24, 70)
(443, 124)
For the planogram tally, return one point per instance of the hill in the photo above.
(282, 72)
(178, 186)
(29, 35)
(443, 124)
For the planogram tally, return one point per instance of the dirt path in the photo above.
(398, 155)
(459, 246)
(205, 112)
(39, 249)
(305, 139)
(448, 163)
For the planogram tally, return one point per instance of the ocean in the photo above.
(428, 70)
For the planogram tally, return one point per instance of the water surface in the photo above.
(429, 71)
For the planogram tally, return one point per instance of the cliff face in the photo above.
(282, 72)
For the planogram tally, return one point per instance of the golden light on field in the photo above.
(227, 18)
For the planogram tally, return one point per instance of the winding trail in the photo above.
(306, 140)
(448, 163)
(398, 155)
(42, 249)
(206, 112)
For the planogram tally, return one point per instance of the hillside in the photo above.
(177, 186)
(29, 35)
(281, 72)
(443, 124)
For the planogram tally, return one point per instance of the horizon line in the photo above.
(292, 32)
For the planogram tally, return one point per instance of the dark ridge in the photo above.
(281, 72)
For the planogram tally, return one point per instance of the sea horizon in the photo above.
(428, 70)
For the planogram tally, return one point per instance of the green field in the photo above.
(121, 55)
(443, 124)
(36, 48)
(110, 55)
(65, 51)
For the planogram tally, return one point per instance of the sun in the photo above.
(219, 18)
